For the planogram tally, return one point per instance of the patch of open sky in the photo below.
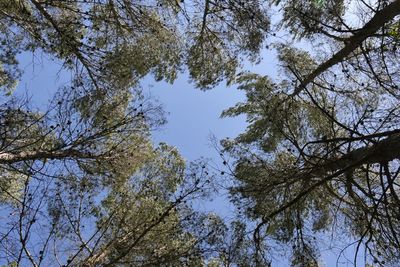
(42, 76)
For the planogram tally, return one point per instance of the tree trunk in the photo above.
(382, 151)
(381, 17)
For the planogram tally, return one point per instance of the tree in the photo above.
(322, 146)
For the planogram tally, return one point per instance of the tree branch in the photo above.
(381, 17)
(9, 158)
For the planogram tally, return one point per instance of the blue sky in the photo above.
(193, 116)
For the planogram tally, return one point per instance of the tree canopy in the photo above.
(81, 183)
(320, 154)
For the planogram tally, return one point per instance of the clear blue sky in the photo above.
(193, 115)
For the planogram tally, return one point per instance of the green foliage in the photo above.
(306, 17)
(11, 187)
